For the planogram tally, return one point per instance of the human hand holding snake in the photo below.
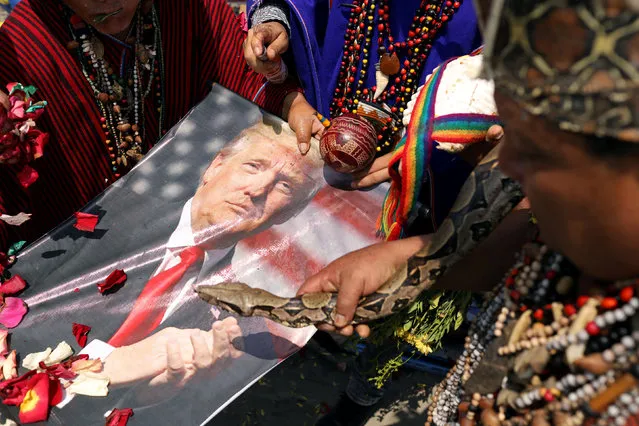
(484, 200)
(358, 274)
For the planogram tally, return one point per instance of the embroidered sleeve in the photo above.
(273, 11)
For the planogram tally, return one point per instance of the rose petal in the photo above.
(12, 391)
(56, 392)
(85, 221)
(32, 361)
(27, 176)
(4, 345)
(13, 285)
(38, 140)
(59, 354)
(84, 365)
(35, 405)
(90, 384)
(13, 86)
(58, 371)
(12, 312)
(10, 366)
(81, 331)
(119, 417)
(17, 108)
(116, 277)
(16, 220)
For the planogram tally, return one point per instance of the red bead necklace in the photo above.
(370, 18)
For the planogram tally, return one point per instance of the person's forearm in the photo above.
(487, 264)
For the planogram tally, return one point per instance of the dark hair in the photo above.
(609, 147)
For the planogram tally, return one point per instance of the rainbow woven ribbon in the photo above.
(414, 151)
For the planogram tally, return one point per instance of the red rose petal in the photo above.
(12, 391)
(13, 285)
(56, 392)
(38, 140)
(116, 277)
(85, 221)
(35, 405)
(119, 417)
(81, 331)
(27, 176)
(58, 371)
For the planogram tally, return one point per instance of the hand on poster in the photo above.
(170, 359)
(375, 174)
(358, 274)
(302, 118)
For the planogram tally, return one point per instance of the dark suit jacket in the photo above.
(137, 216)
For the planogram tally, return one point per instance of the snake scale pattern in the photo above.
(484, 200)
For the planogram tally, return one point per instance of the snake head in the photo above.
(240, 298)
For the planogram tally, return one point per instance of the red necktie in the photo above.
(150, 307)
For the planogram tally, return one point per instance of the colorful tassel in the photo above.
(414, 151)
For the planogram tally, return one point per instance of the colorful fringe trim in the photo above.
(414, 151)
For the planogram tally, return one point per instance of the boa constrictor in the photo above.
(485, 199)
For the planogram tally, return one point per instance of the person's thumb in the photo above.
(304, 133)
(347, 301)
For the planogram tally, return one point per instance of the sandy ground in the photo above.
(298, 391)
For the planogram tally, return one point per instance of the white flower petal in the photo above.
(59, 354)
(32, 361)
(90, 384)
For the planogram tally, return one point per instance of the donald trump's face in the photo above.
(260, 181)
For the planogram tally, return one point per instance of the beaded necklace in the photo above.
(540, 354)
(396, 80)
(121, 96)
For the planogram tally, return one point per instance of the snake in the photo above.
(486, 197)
